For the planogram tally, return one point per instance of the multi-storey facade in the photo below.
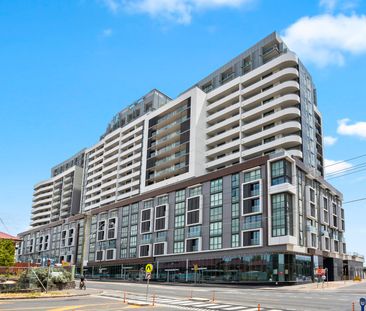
(58, 197)
(228, 177)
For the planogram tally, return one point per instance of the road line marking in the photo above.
(219, 306)
(234, 308)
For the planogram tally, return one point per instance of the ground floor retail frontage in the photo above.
(260, 268)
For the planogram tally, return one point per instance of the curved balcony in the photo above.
(285, 101)
(282, 115)
(286, 142)
(284, 128)
(278, 90)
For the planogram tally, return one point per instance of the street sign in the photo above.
(148, 275)
(149, 268)
(195, 268)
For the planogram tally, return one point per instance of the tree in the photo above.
(7, 253)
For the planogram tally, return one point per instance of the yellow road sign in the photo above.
(195, 267)
(149, 268)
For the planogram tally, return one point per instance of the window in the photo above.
(125, 220)
(149, 204)
(194, 231)
(180, 208)
(101, 230)
(179, 221)
(194, 211)
(100, 255)
(163, 200)
(179, 234)
(178, 247)
(216, 199)
(133, 241)
(216, 185)
(159, 249)
(180, 196)
(145, 250)
(110, 254)
(125, 210)
(216, 213)
(63, 238)
(269, 139)
(161, 217)
(112, 228)
(146, 218)
(195, 191)
(235, 240)
(235, 224)
(216, 228)
(123, 252)
(71, 237)
(46, 242)
(193, 245)
(216, 242)
(282, 223)
(280, 172)
(134, 219)
(134, 208)
(235, 181)
(252, 238)
(252, 222)
(133, 230)
(251, 206)
(252, 175)
(235, 210)
(132, 252)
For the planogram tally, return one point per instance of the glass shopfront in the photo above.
(259, 268)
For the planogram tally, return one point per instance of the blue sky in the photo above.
(66, 67)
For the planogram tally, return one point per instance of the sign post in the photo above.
(148, 269)
(362, 303)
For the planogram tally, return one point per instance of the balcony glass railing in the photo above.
(172, 114)
(170, 169)
(167, 148)
(252, 225)
(172, 157)
(179, 121)
(167, 137)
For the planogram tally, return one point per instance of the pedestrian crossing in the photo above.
(208, 306)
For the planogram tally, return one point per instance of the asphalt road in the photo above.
(277, 298)
(109, 296)
(85, 303)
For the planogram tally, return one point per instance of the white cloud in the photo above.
(179, 11)
(107, 32)
(326, 39)
(356, 129)
(328, 5)
(330, 140)
(332, 166)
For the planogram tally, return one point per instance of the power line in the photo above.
(6, 228)
(345, 174)
(357, 200)
(360, 156)
(347, 169)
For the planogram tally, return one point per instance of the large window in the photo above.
(252, 175)
(252, 238)
(161, 217)
(216, 185)
(216, 228)
(146, 217)
(216, 242)
(280, 172)
(282, 223)
(194, 211)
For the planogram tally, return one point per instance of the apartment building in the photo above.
(58, 197)
(224, 183)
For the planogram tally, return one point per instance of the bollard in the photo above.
(213, 296)
(153, 303)
(191, 294)
(124, 297)
(259, 307)
(353, 306)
